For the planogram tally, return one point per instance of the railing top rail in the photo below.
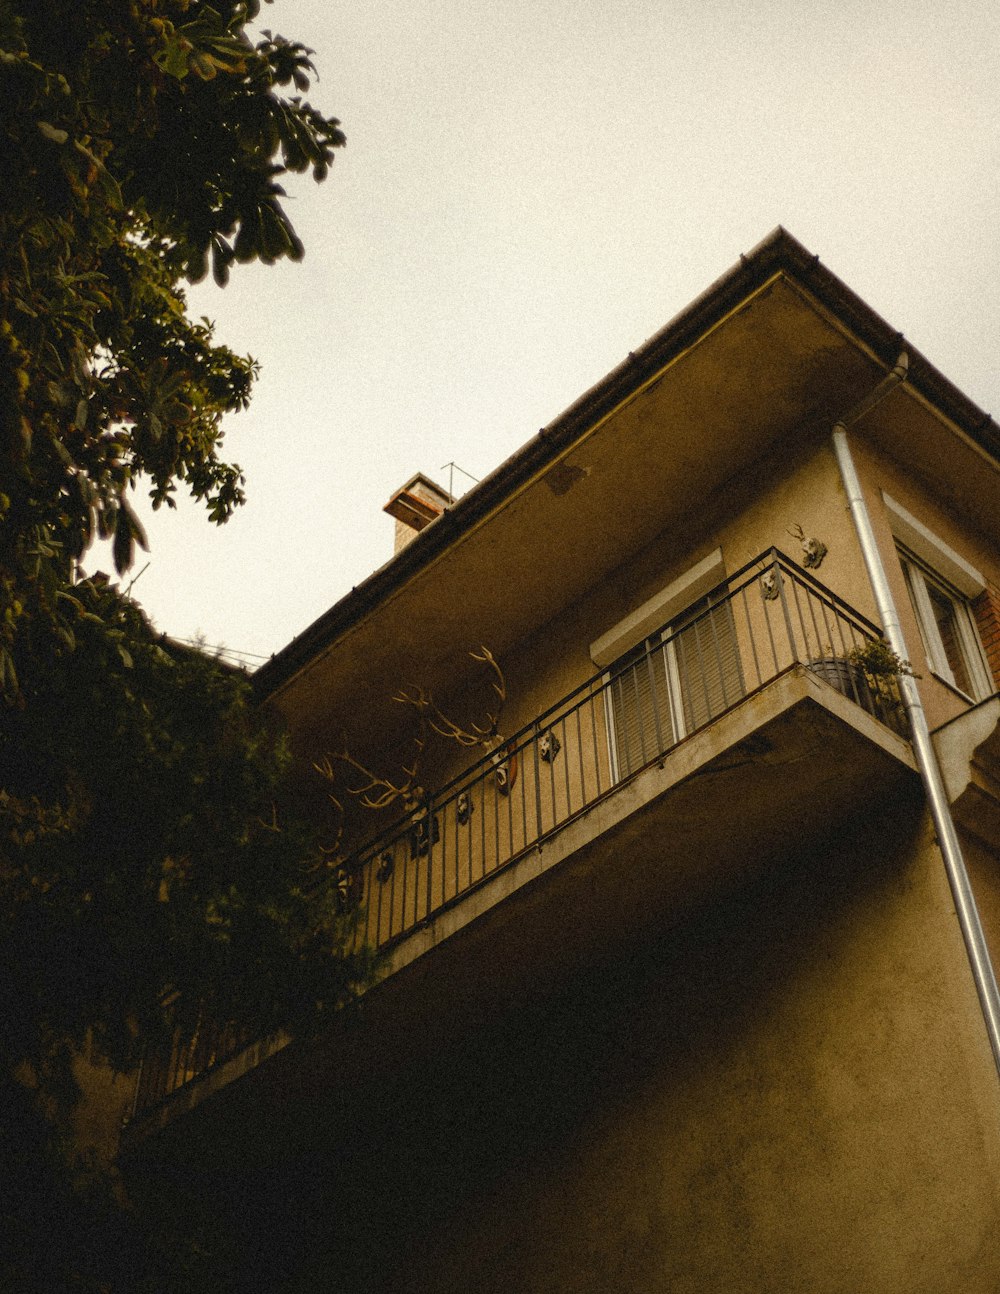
(716, 597)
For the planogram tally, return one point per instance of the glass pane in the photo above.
(945, 617)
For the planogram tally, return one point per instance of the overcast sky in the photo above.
(530, 189)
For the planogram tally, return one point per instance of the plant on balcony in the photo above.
(881, 666)
(881, 669)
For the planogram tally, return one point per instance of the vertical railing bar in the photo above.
(579, 752)
(802, 624)
(443, 852)
(811, 604)
(538, 784)
(179, 1054)
(593, 725)
(510, 812)
(751, 635)
(524, 799)
(779, 575)
(458, 841)
(610, 710)
(482, 824)
(687, 682)
(656, 704)
(713, 622)
(400, 847)
(429, 820)
(368, 905)
(845, 652)
(634, 671)
(827, 632)
(770, 635)
(365, 892)
(565, 757)
(170, 1068)
(419, 872)
(358, 877)
(703, 669)
(844, 649)
(407, 851)
(356, 923)
(496, 816)
(552, 792)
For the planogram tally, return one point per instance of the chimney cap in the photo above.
(417, 503)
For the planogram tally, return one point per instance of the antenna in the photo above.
(452, 469)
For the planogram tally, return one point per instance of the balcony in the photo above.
(744, 729)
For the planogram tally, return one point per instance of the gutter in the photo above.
(923, 747)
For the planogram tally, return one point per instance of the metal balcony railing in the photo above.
(768, 617)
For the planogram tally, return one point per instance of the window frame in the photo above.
(921, 578)
(679, 699)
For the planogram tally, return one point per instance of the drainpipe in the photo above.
(923, 747)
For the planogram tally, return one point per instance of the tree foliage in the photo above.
(144, 141)
(145, 854)
(151, 866)
(153, 873)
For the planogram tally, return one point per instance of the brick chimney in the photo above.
(415, 506)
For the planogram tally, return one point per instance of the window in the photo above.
(947, 629)
(942, 586)
(672, 683)
(666, 682)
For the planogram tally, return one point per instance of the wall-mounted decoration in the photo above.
(345, 884)
(813, 550)
(504, 770)
(549, 746)
(425, 832)
(770, 585)
(377, 792)
(386, 866)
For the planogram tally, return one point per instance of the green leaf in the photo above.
(134, 524)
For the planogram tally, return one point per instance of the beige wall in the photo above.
(792, 1092)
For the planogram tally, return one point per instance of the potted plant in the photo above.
(869, 675)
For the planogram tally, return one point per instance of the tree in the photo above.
(144, 140)
(152, 865)
(149, 846)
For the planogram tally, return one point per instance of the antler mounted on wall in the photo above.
(379, 792)
(487, 736)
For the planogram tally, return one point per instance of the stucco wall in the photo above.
(791, 1092)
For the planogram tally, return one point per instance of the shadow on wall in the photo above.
(408, 1191)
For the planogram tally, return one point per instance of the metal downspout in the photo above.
(923, 747)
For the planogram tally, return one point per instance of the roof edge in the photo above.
(778, 251)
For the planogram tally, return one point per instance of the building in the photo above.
(685, 892)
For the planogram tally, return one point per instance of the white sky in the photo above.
(532, 188)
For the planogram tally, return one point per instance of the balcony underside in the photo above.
(794, 763)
